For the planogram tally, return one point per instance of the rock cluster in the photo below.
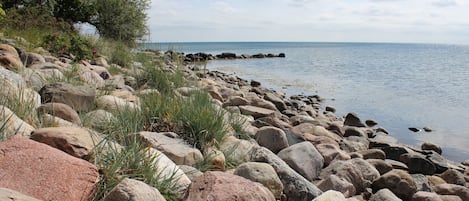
(227, 55)
(298, 148)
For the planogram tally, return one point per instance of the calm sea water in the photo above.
(398, 85)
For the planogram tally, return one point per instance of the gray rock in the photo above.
(295, 186)
(371, 123)
(134, 190)
(384, 195)
(80, 98)
(333, 182)
(441, 164)
(453, 177)
(98, 119)
(422, 183)
(11, 76)
(262, 173)
(11, 195)
(399, 182)
(272, 138)
(331, 152)
(354, 131)
(304, 158)
(395, 152)
(354, 144)
(351, 119)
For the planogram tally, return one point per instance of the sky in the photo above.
(410, 21)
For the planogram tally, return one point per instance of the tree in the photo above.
(74, 11)
(2, 12)
(123, 20)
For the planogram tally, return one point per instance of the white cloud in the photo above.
(445, 3)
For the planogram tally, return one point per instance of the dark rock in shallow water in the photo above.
(353, 120)
(427, 129)
(371, 123)
(414, 129)
(255, 83)
(330, 109)
(419, 164)
(282, 55)
(227, 55)
(441, 164)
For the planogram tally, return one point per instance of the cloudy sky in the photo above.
(421, 21)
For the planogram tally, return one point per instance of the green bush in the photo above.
(62, 43)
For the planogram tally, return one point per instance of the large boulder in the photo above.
(330, 195)
(169, 170)
(174, 148)
(80, 98)
(262, 173)
(453, 176)
(239, 150)
(419, 164)
(11, 195)
(304, 158)
(331, 152)
(19, 95)
(78, 142)
(380, 165)
(306, 129)
(352, 119)
(44, 172)
(272, 138)
(333, 182)
(224, 186)
(295, 186)
(256, 112)
(10, 61)
(134, 190)
(60, 110)
(399, 182)
(99, 119)
(384, 195)
(452, 189)
(277, 101)
(12, 124)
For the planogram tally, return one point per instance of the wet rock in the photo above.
(295, 186)
(256, 112)
(262, 173)
(60, 110)
(255, 83)
(80, 98)
(174, 148)
(431, 146)
(28, 166)
(426, 196)
(397, 164)
(11, 195)
(380, 165)
(330, 195)
(452, 189)
(413, 129)
(419, 164)
(330, 109)
(427, 129)
(452, 176)
(224, 186)
(295, 156)
(333, 182)
(395, 152)
(75, 141)
(384, 195)
(134, 190)
(351, 119)
(272, 138)
(399, 182)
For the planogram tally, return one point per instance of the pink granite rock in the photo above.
(44, 172)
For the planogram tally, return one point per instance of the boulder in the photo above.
(191, 172)
(354, 144)
(126, 95)
(394, 152)
(419, 164)
(9, 49)
(399, 182)
(215, 159)
(12, 124)
(115, 104)
(34, 58)
(28, 167)
(224, 186)
(13, 77)
(330, 195)
(452, 176)
(80, 98)
(371, 123)
(354, 131)
(295, 156)
(452, 189)
(133, 190)
(239, 150)
(99, 119)
(426, 196)
(331, 152)
(431, 146)
(11, 195)
(11, 61)
(295, 186)
(174, 148)
(256, 112)
(262, 173)
(169, 170)
(422, 183)
(306, 129)
(235, 101)
(384, 195)
(352, 119)
(20, 95)
(271, 138)
(78, 142)
(277, 101)
(380, 165)
(333, 182)
(91, 78)
(440, 163)
(60, 110)
(373, 154)
(397, 164)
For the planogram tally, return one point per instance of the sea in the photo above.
(398, 85)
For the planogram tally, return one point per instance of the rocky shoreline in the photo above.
(291, 148)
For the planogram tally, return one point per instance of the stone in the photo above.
(20, 95)
(191, 172)
(397, 164)
(380, 165)
(450, 198)
(133, 190)
(384, 195)
(101, 71)
(11, 195)
(91, 78)
(452, 176)
(394, 152)
(115, 104)
(330, 195)
(262, 173)
(224, 186)
(398, 181)
(10, 61)
(426, 196)
(9, 49)
(331, 152)
(60, 110)
(215, 158)
(431, 146)
(305, 129)
(354, 144)
(235, 101)
(422, 183)
(295, 186)
(356, 171)
(168, 169)
(174, 148)
(77, 142)
(382, 140)
(126, 95)
(333, 182)
(256, 112)
(13, 77)
(452, 189)
(427, 129)
(239, 150)
(295, 156)
(12, 124)
(351, 119)
(371, 123)
(100, 61)
(354, 131)
(373, 154)
(80, 98)
(330, 109)
(34, 58)
(28, 166)
(99, 119)
(272, 138)
(419, 164)
(277, 101)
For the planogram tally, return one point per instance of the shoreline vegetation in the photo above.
(161, 126)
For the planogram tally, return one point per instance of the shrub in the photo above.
(61, 43)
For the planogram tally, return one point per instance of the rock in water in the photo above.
(353, 120)
(413, 129)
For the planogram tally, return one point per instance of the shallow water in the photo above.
(398, 85)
